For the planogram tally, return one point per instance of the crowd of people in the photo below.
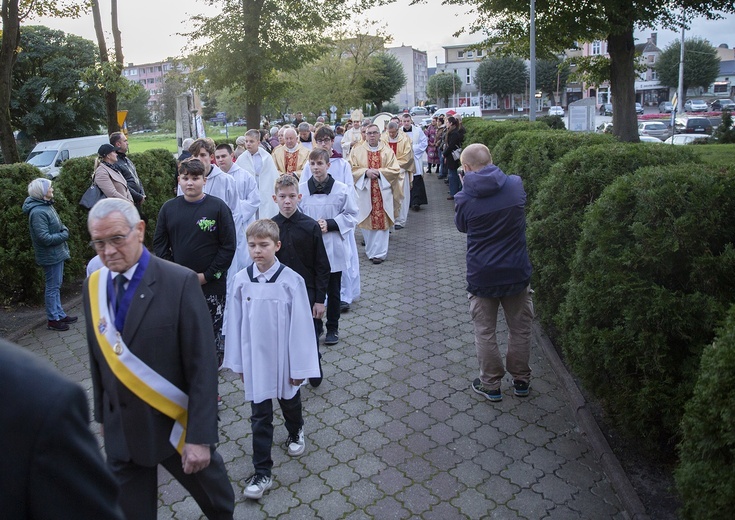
(256, 249)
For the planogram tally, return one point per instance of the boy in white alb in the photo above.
(331, 204)
(270, 342)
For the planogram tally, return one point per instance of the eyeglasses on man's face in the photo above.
(116, 241)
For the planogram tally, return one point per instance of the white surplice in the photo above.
(265, 177)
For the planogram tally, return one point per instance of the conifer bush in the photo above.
(489, 132)
(555, 217)
(651, 278)
(705, 476)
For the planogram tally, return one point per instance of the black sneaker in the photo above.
(494, 395)
(520, 388)
(344, 307)
(69, 319)
(57, 325)
(332, 337)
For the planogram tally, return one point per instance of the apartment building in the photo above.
(415, 66)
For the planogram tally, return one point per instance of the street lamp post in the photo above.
(532, 75)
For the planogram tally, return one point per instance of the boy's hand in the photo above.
(322, 225)
(317, 312)
(296, 382)
(202, 280)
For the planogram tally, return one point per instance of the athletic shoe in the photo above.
(257, 485)
(398, 226)
(344, 307)
(332, 337)
(69, 319)
(57, 325)
(494, 395)
(296, 443)
(520, 388)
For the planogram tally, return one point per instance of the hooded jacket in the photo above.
(490, 209)
(48, 234)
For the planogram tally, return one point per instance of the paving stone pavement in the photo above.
(395, 432)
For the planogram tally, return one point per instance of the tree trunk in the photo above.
(8, 53)
(251, 16)
(621, 48)
(252, 114)
(110, 94)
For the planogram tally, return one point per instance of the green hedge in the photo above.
(706, 475)
(531, 154)
(157, 170)
(651, 279)
(489, 132)
(20, 278)
(555, 217)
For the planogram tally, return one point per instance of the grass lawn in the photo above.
(143, 142)
(716, 154)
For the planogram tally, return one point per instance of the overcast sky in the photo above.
(149, 27)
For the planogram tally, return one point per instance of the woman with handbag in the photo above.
(111, 182)
(49, 237)
(454, 139)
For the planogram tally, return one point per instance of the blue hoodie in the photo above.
(490, 209)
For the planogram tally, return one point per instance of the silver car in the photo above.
(695, 105)
(654, 129)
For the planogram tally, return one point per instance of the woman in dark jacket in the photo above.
(49, 237)
(454, 139)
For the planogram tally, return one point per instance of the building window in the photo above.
(150, 80)
(596, 48)
(470, 54)
(468, 78)
(133, 72)
(460, 54)
(654, 75)
(721, 87)
(479, 53)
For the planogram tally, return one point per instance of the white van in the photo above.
(49, 155)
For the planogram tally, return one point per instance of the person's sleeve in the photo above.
(303, 352)
(233, 331)
(250, 202)
(321, 265)
(459, 219)
(199, 361)
(161, 238)
(422, 144)
(227, 245)
(67, 469)
(41, 229)
(346, 220)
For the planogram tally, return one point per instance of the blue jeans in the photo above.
(52, 297)
(454, 185)
(442, 169)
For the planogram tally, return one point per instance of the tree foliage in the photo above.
(110, 69)
(502, 75)
(443, 85)
(175, 83)
(551, 77)
(267, 37)
(562, 23)
(701, 64)
(135, 100)
(12, 13)
(385, 79)
(50, 99)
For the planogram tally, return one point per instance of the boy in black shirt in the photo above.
(197, 231)
(302, 249)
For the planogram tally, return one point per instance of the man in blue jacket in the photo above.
(490, 209)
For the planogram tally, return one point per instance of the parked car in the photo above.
(693, 125)
(654, 129)
(722, 104)
(556, 111)
(695, 105)
(606, 109)
(649, 139)
(681, 139)
(418, 111)
(665, 107)
(638, 109)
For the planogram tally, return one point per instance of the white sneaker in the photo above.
(257, 485)
(296, 444)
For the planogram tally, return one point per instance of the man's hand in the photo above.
(372, 173)
(322, 225)
(202, 280)
(317, 311)
(195, 457)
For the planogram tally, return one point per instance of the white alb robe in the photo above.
(266, 178)
(270, 335)
(247, 190)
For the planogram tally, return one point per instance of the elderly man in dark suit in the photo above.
(154, 369)
(52, 466)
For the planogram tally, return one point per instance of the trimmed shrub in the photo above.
(20, 278)
(705, 476)
(489, 132)
(651, 279)
(531, 154)
(555, 217)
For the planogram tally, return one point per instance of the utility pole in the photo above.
(532, 75)
(680, 95)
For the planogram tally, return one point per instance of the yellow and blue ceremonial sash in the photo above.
(139, 378)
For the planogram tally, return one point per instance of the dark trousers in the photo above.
(261, 422)
(333, 301)
(210, 487)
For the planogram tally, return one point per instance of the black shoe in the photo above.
(376, 260)
(69, 319)
(520, 388)
(398, 226)
(332, 337)
(344, 307)
(57, 325)
(415, 207)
